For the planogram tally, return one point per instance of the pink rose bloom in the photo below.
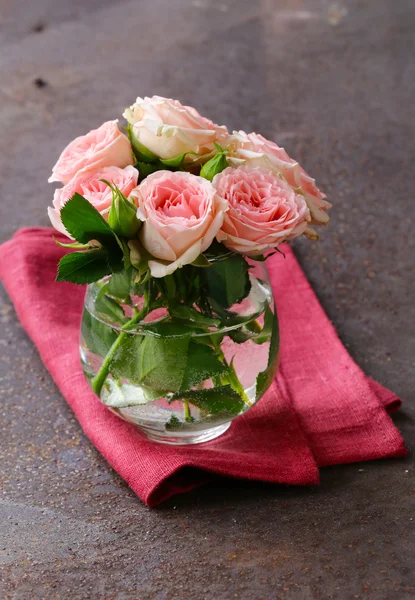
(102, 147)
(88, 184)
(263, 210)
(168, 129)
(181, 215)
(255, 149)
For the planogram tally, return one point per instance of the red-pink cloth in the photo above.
(321, 409)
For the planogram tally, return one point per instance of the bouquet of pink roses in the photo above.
(171, 224)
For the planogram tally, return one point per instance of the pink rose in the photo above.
(255, 149)
(263, 210)
(168, 129)
(88, 184)
(181, 215)
(102, 147)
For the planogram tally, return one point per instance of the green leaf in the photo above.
(250, 329)
(222, 400)
(266, 332)
(169, 282)
(167, 363)
(206, 337)
(254, 327)
(262, 258)
(116, 259)
(174, 424)
(119, 284)
(141, 153)
(84, 267)
(102, 288)
(176, 162)
(229, 318)
(187, 313)
(110, 308)
(264, 379)
(125, 254)
(145, 169)
(159, 363)
(214, 166)
(126, 361)
(202, 363)
(122, 217)
(98, 336)
(139, 256)
(217, 252)
(228, 280)
(259, 258)
(84, 222)
(201, 261)
(240, 336)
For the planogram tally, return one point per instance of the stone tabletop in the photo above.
(334, 82)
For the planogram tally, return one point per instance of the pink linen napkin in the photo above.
(321, 409)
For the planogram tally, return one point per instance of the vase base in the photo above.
(184, 438)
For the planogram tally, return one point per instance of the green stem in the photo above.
(235, 383)
(232, 376)
(99, 379)
(187, 413)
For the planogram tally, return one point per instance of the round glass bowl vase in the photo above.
(181, 357)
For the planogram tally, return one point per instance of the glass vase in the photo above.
(182, 356)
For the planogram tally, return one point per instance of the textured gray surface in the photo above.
(334, 83)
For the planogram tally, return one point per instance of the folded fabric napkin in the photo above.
(321, 409)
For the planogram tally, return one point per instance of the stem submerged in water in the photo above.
(187, 414)
(227, 377)
(231, 375)
(99, 379)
